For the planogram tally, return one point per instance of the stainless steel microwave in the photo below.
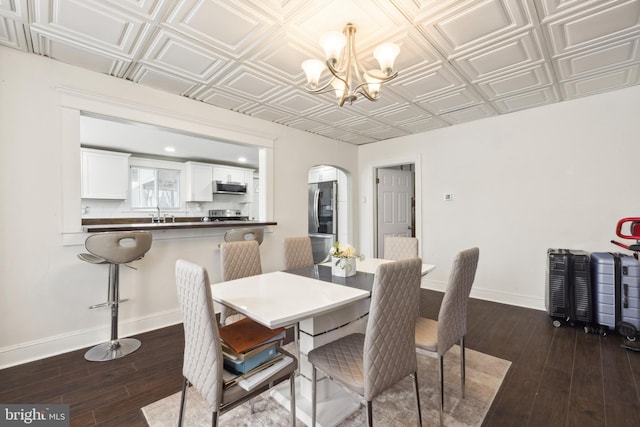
(229, 187)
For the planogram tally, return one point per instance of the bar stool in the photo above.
(241, 234)
(114, 248)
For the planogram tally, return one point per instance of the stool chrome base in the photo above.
(112, 350)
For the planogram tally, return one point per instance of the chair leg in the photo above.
(214, 419)
(183, 398)
(462, 366)
(441, 377)
(296, 336)
(369, 413)
(313, 396)
(292, 391)
(415, 386)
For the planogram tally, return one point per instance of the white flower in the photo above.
(345, 251)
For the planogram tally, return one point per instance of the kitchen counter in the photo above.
(149, 226)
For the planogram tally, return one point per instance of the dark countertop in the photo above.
(94, 226)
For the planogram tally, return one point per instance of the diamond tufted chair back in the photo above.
(396, 247)
(297, 252)
(238, 259)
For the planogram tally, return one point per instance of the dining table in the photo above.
(325, 307)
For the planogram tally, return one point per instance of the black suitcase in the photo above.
(616, 290)
(568, 295)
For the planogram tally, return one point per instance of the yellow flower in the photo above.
(345, 251)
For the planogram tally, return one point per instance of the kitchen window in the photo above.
(154, 188)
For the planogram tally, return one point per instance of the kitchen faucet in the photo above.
(157, 218)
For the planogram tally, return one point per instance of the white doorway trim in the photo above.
(373, 196)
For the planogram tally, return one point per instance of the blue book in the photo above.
(242, 366)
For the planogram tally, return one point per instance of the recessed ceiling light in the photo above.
(169, 149)
(242, 159)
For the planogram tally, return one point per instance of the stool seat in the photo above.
(114, 248)
(92, 259)
(242, 234)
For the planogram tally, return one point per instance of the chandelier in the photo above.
(348, 77)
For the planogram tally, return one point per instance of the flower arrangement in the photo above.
(344, 258)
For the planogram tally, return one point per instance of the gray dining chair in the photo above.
(203, 359)
(437, 337)
(297, 252)
(238, 259)
(398, 247)
(370, 363)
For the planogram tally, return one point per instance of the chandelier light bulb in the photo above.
(386, 54)
(333, 42)
(373, 85)
(313, 69)
(338, 87)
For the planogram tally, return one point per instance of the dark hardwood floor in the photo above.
(558, 377)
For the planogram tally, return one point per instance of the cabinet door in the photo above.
(199, 182)
(105, 174)
(248, 178)
(228, 174)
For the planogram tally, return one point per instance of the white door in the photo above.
(395, 199)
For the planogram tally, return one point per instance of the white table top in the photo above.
(369, 265)
(280, 299)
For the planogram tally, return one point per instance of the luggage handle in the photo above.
(625, 298)
(633, 227)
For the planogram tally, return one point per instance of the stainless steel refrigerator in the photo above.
(323, 218)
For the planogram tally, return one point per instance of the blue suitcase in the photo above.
(616, 291)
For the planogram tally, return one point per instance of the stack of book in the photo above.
(248, 348)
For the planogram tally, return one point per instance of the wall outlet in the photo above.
(448, 197)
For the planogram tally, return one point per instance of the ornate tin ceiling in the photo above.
(460, 60)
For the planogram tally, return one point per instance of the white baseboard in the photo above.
(494, 296)
(63, 343)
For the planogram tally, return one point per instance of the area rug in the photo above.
(395, 407)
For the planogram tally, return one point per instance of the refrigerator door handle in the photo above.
(334, 201)
(316, 219)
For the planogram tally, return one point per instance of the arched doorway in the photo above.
(329, 209)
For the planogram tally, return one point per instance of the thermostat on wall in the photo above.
(448, 197)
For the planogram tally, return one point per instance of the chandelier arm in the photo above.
(322, 88)
(386, 79)
(336, 75)
(363, 90)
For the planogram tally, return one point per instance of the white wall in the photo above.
(560, 176)
(556, 176)
(45, 289)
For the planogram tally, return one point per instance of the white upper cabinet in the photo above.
(322, 173)
(199, 182)
(229, 174)
(105, 174)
